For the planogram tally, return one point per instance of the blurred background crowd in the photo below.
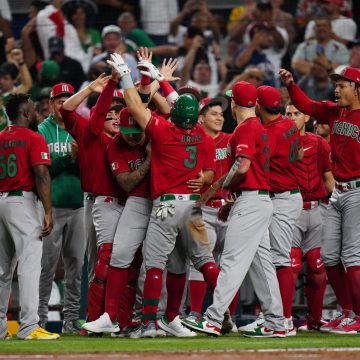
(43, 42)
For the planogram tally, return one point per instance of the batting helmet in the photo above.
(185, 111)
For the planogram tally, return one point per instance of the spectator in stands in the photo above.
(201, 17)
(355, 54)
(343, 28)
(240, 17)
(134, 36)
(283, 19)
(78, 12)
(71, 70)
(43, 108)
(113, 42)
(252, 75)
(29, 39)
(276, 40)
(51, 22)
(317, 84)
(5, 27)
(323, 44)
(156, 16)
(254, 53)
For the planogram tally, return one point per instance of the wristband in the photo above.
(126, 81)
(166, 88)
(145, 80)
(145, 98)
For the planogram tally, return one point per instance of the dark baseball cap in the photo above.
(56, 44)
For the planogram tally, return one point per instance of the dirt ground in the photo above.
(214, 355)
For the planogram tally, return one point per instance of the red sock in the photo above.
(175, 284)
(152, 292)
(234, 304)
(115, 286)
(128, 297)
(353, 275)
(285, 277)
(338, 281)
(197, 289)
(210, 272)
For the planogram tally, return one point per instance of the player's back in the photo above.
(20, 149)
(284, 141)
(178, 155)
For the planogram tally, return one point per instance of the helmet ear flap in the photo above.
(185, 111)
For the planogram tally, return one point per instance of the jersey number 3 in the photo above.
(190, 162)
(8, 168)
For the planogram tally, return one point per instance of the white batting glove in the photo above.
(118, 63)
(150, 70)
(165, 209)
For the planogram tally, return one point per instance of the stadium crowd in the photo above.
(164, 143)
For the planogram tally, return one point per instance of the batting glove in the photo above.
(118, 63)
(150, 70)
(165, 209)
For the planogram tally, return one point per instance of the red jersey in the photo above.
(284, 140)
(124, 158)
(310, 170)
(177, 155)
(222, 165)
(250, 141)
(95, 174)
(20, 150)
(344, 132)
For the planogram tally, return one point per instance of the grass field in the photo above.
(76, 344)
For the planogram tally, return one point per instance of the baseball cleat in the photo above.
(41, 334)
(335, 321)
(255, 324)
(264, 332)
(201, 325)
(133, 332)
(227, 324)
(347, 326)
(289, 327)
(102, 325)
(149, 330)
(312, 326)
(175, 327)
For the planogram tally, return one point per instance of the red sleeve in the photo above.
(210, 159)
(326, 161)
(74, 123)
(245, 143)
(322, 111)
(39, 153)
(101, 108)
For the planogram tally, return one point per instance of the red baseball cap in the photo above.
(208, 101)
(268, 96)
(348, 73)
(128, 124)
(243, 93)
(118, 94)
(118, 100)
(61, 89)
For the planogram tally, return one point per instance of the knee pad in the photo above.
(314, 262)
(102, 265)
(296, 260)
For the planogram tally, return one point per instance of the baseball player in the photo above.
(129, 158)
(23, 175)
(67, 236)
(315, 180)
(341, 244)
(212, 119)
(285, 150)
(247, 244)
(178, 167)
(97, 134)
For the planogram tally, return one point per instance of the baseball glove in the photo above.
(196, 226)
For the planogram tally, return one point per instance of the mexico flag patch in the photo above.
(114, 166)
(45, 156)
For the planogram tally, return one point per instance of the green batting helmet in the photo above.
(185, 111)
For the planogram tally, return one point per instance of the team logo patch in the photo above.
(45, 156)
(114, 166)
